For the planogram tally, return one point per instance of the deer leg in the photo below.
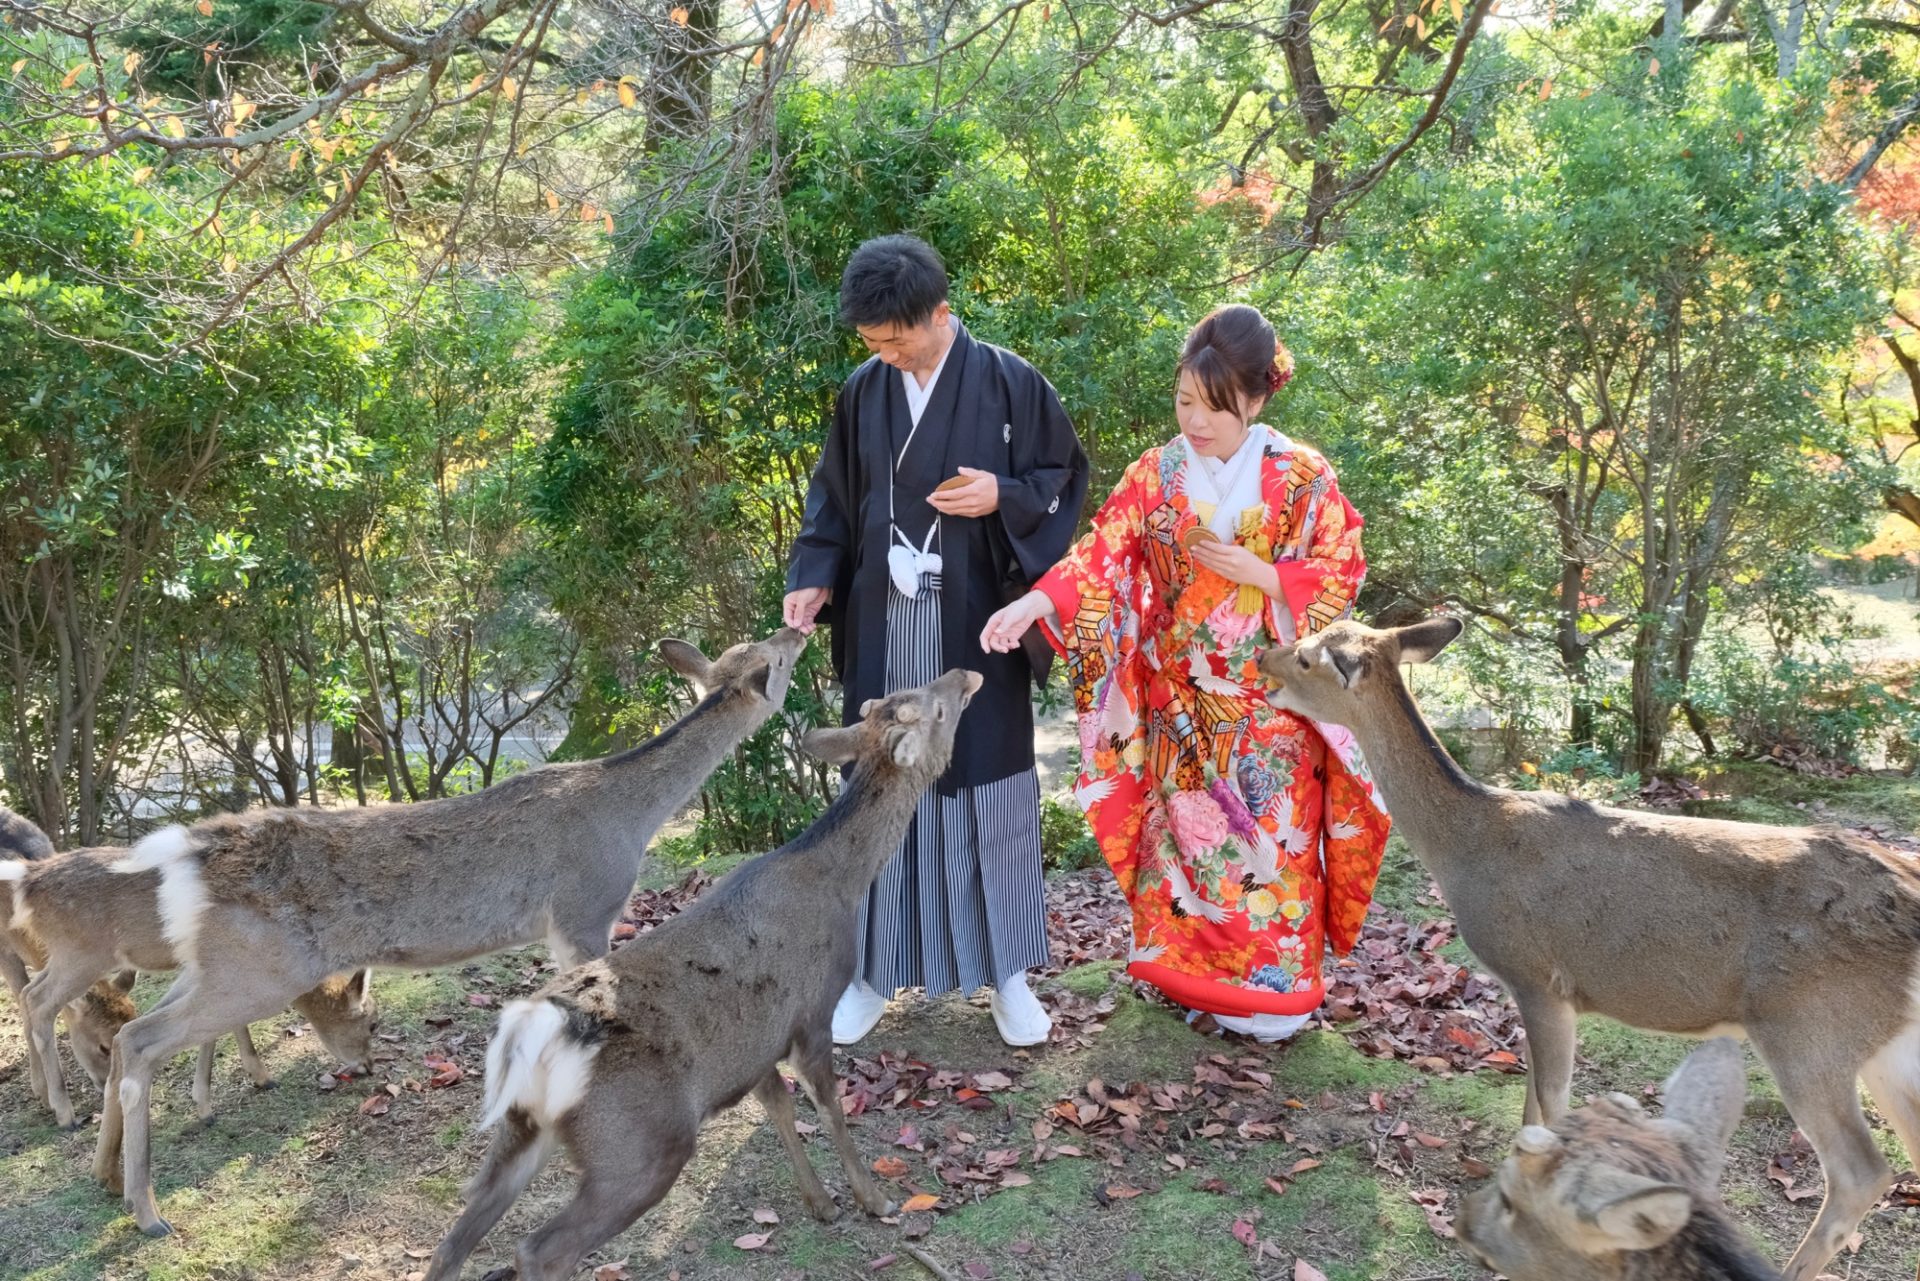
(817, 1078)
(1825, 1103)
(189, 1015)
(203, 1070)
(45, 996)
(1893, 1078)
(1549, 1022)
(605, 1203)
(250, 1058)
(575, 943)
(13, 971)
(773, 1096)
(203, 1081)
(518, 1151)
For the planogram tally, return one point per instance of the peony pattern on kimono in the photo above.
(1246, 839)
(1231, 629)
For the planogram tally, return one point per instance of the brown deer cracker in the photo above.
(1197, 535)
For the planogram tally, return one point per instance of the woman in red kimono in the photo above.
(1245, 838)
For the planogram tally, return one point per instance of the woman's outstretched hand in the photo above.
(1237, 565)
(1004, 629)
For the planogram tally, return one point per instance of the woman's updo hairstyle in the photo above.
(1234, 353)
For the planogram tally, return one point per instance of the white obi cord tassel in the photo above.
(905, 562)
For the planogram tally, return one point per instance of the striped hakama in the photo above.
(962, 905)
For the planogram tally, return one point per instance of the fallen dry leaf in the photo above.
(924, 1201)
(1304, 1271)
(890, 1167)
(752, 1241)
(765, 1217)
(1433, 1202)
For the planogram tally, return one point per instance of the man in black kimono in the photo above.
(907, 578)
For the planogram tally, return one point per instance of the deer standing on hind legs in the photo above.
(261, 906)
(622, 1059)
(1806, 941)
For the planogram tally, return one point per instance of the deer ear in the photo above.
(1631, 1211)
(907, 745)
(834, 746)
(867, 708)
(1419, 642)
(685, 658)
(358, 985)
(1349, 664)
(125, 980)
(1705, 1099)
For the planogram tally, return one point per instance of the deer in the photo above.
(621, 1060)
(23, 841)
(263, 905)
(1805, 941)
(77, 921)
(1612, 1194)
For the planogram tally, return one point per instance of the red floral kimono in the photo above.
(1243, 836)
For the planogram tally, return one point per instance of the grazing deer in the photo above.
(1806, 941)
(264, 905)
(1609, 1194)
(77, 920)
(341, 1011)
(623, 1058)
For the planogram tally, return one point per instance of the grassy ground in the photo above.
(301, 1181)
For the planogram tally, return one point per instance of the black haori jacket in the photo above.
(990, 410)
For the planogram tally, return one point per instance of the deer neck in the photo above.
(861, 830)
(1429, 796)
(646, 786)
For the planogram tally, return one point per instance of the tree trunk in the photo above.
(680, 82)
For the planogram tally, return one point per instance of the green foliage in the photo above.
(1815, 700)
(1577, 388)
(1066, 842)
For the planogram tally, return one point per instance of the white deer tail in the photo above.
(152, 852)
(13, 871)
(534, 1065)
(183, 892)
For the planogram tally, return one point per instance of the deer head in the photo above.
(344, 1016)
(909, 730)
(92, 1023)
(1577, 1202)
(1325, 677)
(754, 669)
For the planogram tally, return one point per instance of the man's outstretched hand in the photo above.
(801, 607)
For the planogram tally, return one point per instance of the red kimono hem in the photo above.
(1215, 997)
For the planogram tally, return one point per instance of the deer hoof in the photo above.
(884, 1210)
(158, 1228)
(825, 1211)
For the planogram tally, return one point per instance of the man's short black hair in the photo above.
(892, 280)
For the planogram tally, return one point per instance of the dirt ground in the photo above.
(1248, 1160)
